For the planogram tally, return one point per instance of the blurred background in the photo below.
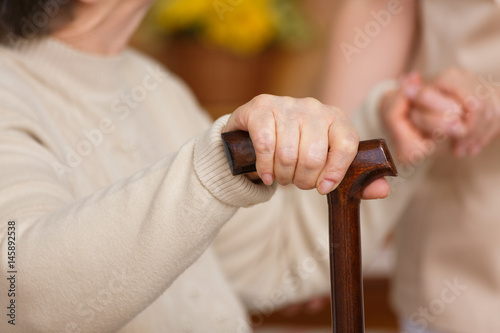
(228, 51)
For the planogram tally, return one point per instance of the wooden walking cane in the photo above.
(372, 161)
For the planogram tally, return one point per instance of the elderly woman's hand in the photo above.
(301, 141)
(419, 118)
(480, 100)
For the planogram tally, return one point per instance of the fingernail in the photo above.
(326, 186)
(267, 179)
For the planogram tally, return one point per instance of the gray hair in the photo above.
(33, 18)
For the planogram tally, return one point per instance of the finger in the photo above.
(463, 87)
(460, 88)
(407, 138)
(436, 111)
(287, 152)
(313, 152)
(425, 122)
(264, 141)
(483, 127)
(433, 101)
(378, 189)
(343, 146)
(257, 118)
(429, 122)
(487, 129)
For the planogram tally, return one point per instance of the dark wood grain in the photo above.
(372, 161)
(240, 152)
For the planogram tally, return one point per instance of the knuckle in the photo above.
(313, 162)
(287, 156)
(315, 157)
(350, 141)
(283, 179)
(335, 174)
(338, 112)
(262, 100)
(304, 184)
(333, 114)
(264, 141)
(263, 97)
(348, 145)
(311, 103)
(288, 109)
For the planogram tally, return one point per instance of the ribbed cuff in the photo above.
(367, 119)
(212, 168)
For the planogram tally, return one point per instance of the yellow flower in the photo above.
(174, 15)
(242, 26)
(245, 28)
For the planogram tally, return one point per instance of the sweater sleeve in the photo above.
(92, 264)
(283, 255)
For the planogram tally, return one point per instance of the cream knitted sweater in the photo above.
(111, 200)
(116, 189)
(115, 186)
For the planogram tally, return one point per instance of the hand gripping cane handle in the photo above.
(372, 161)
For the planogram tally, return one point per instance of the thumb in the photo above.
(408, 139)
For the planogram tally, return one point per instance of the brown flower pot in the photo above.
(216, 76)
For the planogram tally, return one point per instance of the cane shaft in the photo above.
(372, 161)
(345, 264)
